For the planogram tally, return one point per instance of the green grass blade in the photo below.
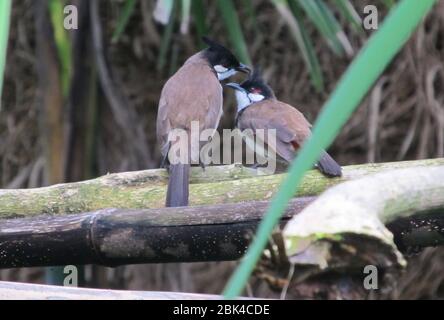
(122, 22)
(348, 10)
(63, 42)
(162, 12)
(174, 60)
(186, 10)
(199, 20)
(249, 8)
(302, 40)
(166, 39)
(5, 14)
(231, 20)
(335, 26)
(360, 76)
(314, 13)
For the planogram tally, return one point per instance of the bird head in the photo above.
(223, 61)
(252, 90)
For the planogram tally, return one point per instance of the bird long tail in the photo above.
(178, 193)
(328, 166)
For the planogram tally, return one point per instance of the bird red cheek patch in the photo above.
(295, 145)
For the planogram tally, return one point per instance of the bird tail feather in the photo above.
(178, 193)
(328, 166)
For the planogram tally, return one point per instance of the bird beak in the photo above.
(234, 86)
(243, 68)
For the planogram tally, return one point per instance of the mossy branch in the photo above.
(146, 189)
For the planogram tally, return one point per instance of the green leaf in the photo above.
(324, 25)
(122, 22)
(166, 39)
(162, 12)
(336, 27)
(356, 82)
(199, 20)
(63, 42)
(249, 8)
(186, 9)
(302, 40)
(231, 20)
(348, 10)
(5, 14)
(174, 60)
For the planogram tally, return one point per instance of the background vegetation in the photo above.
(72, 111)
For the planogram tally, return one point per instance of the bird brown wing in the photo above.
(292, 129)
(193, 93)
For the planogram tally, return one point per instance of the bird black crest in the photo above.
(218, 54)
(255, 80)
(211, 43)
(256, 75)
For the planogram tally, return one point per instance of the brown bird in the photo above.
(258, 108)
(193, 93)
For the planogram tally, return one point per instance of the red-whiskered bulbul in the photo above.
(193, 93)
(258, 108)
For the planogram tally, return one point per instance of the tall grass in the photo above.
(62, 42)
(234, 29)
(293, 16)
(5, 14)
(293, 12)
(123, 19)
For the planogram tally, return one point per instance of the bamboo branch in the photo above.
(146, 189)
(120, 236)
(345, 226)
(26, 291)
(114, 237)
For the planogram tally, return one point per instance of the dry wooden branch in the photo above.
(146, 189)
(26, 291)
(120, 236)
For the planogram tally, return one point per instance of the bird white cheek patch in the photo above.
(242, 100)
(226, 74)
(254, 97)
(220, 69)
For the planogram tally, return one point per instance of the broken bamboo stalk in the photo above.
(115, 237)
(348, 223)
